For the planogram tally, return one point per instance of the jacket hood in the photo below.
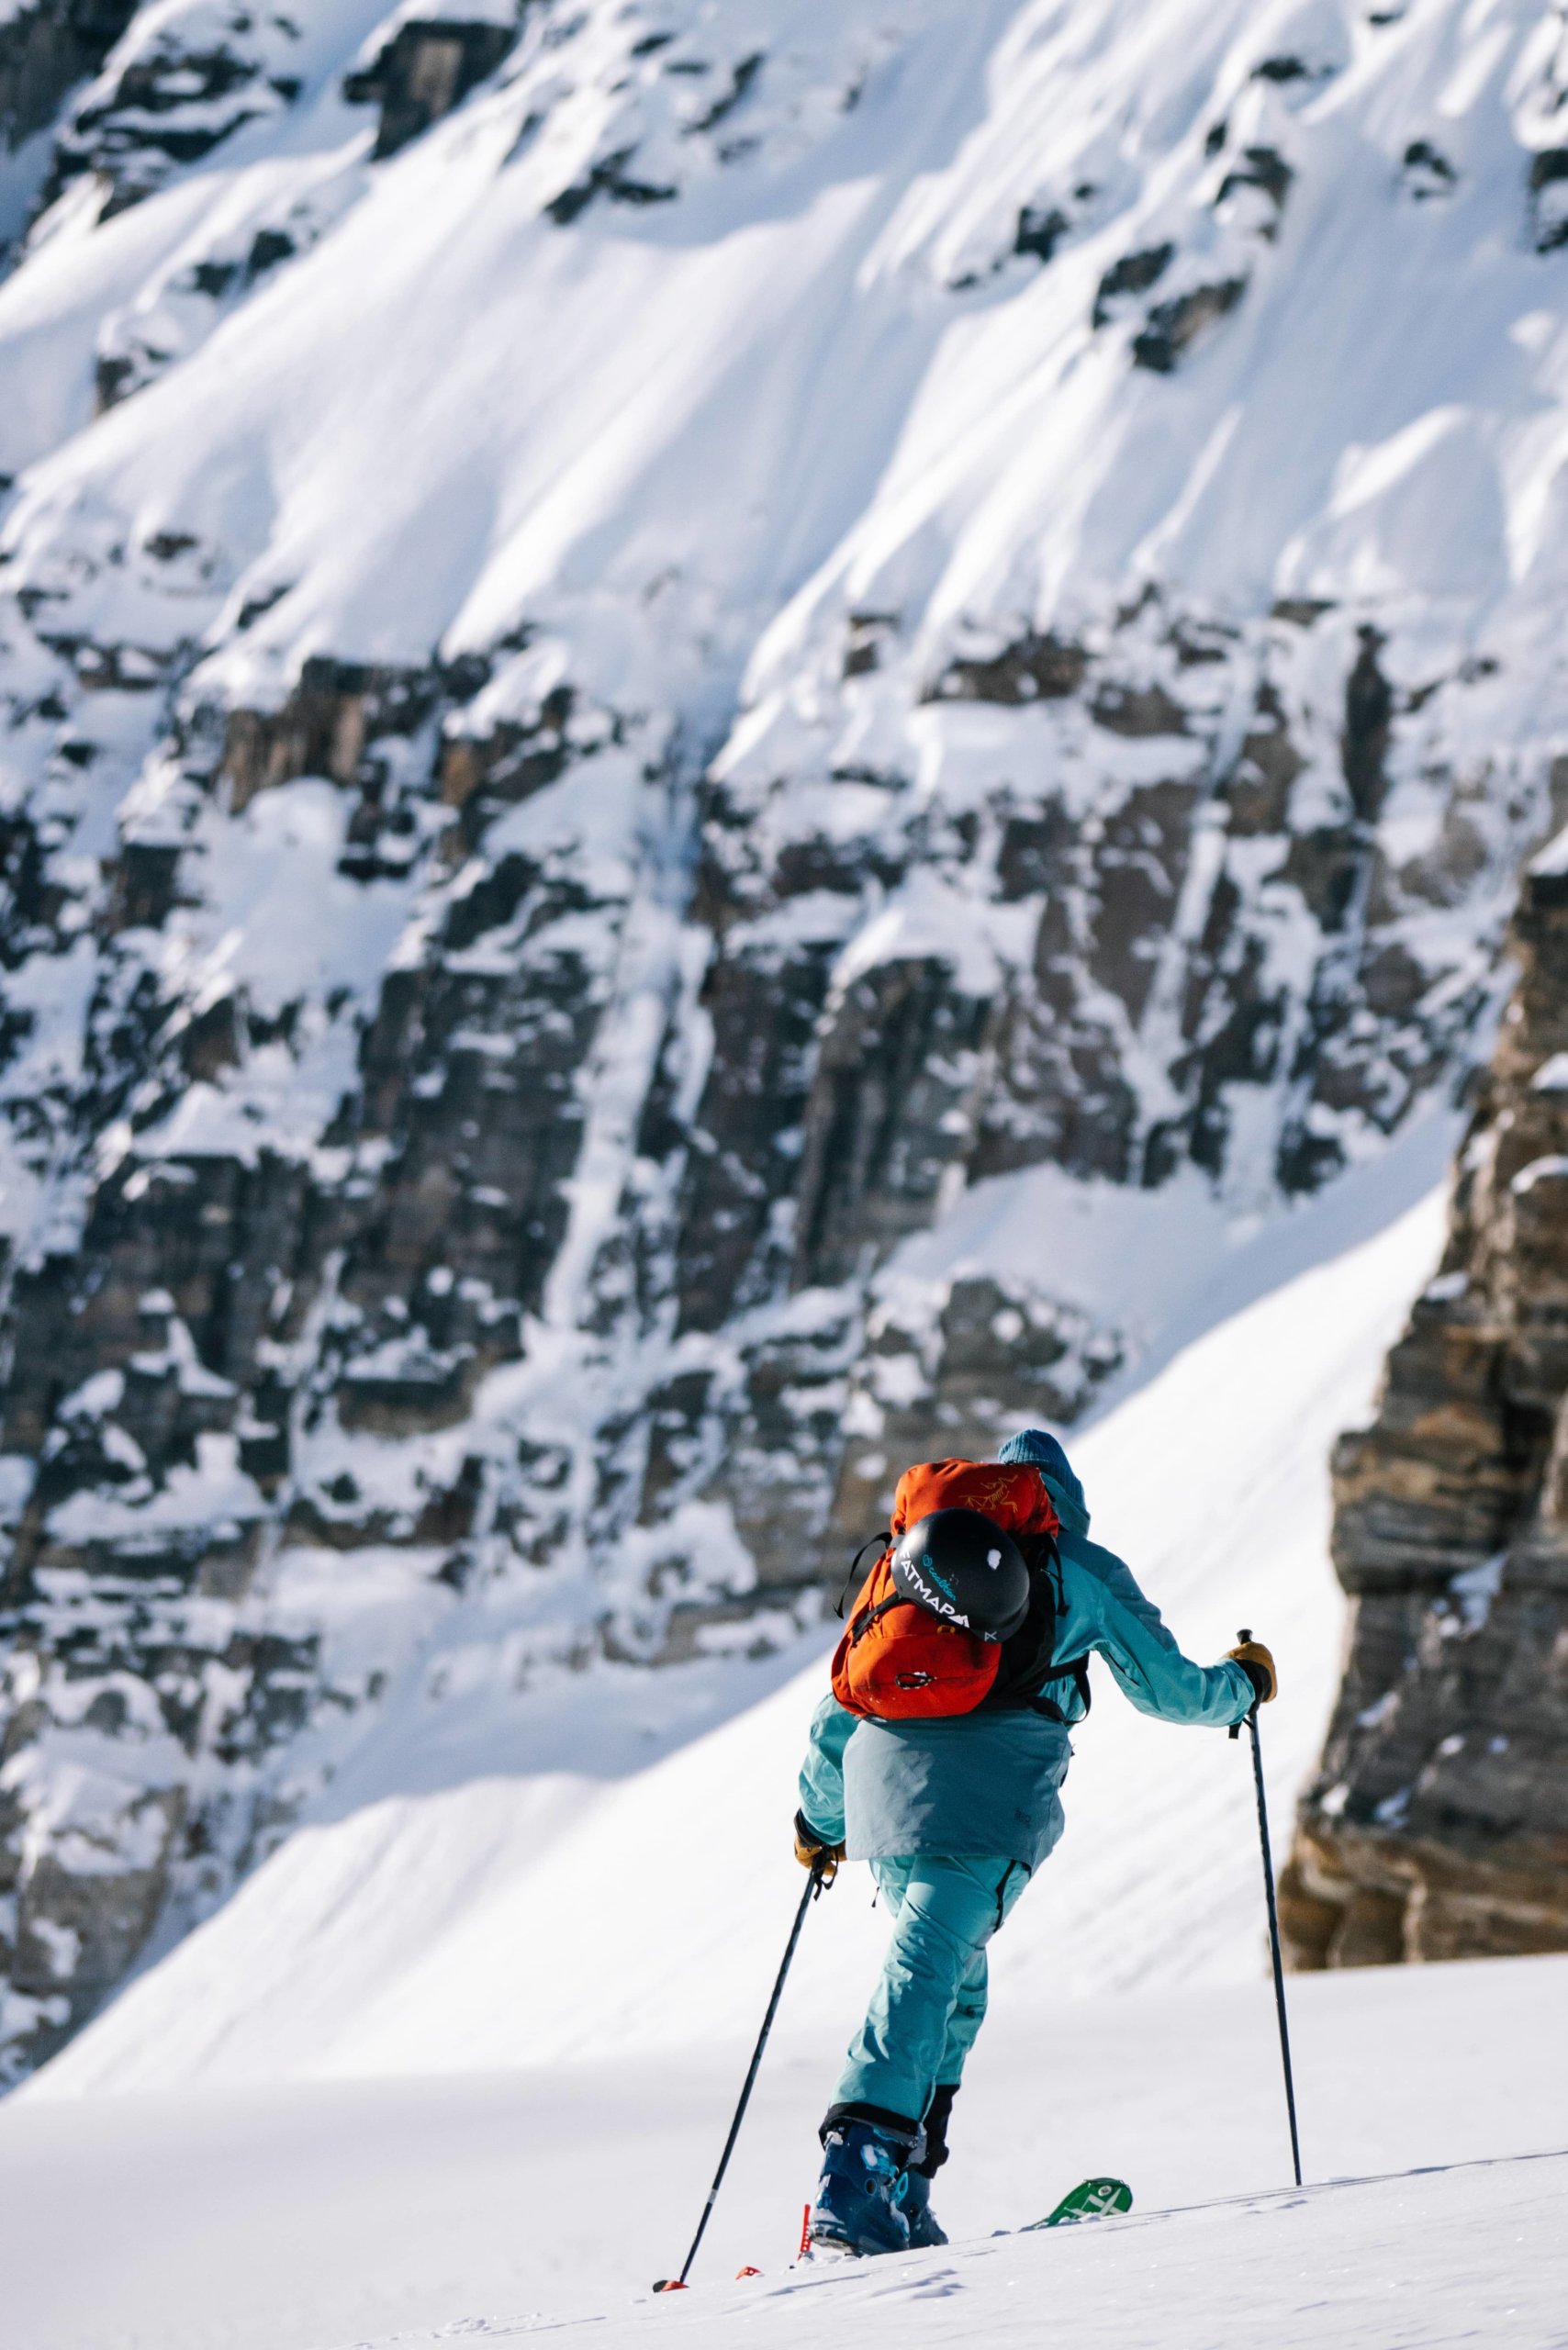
(1044, 1453)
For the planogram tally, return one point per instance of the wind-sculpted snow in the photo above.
(670, 668)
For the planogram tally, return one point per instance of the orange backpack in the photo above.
(898, 1662)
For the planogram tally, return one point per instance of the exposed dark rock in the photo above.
(153, 89)
(1427, 172)
(891, 1106)
(87, 1931)
(1265, 169)
(611, 179)
(511, 763)
(142, 885)
(1369, 706)
(469, 1068)
(740, 81)
(170, 103)
(426, 69)
(866, 633)
(323, 728)
(747, 1137)
(45, 51)
(1036, 852)
(269, 248)
(1284, 69)
(1041, 228)
(1258, 790)
(1034, 668)
(1549, 211)
(1437, 1825)
(1299, 610)
(1134, 274)
(1138, 866)
(1139, 710)
(791, 1410)
(1326, 866)
(1172, 327)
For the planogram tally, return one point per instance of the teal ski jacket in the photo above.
(990, 1782)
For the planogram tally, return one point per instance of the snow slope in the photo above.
(866, 428)
(1465, 2255)
(309, 2214)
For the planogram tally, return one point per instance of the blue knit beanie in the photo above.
(1042, 1451)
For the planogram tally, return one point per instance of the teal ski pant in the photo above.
(930, 2002)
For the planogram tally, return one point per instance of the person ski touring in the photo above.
(938, 1756)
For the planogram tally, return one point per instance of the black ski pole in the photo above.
(1273, 1923)
(677, 2284)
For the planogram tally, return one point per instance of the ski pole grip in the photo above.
(1243, 1635)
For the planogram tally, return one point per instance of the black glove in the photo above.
(809, 1845)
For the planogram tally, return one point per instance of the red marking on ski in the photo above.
(747, 2272)
(670, 2285)
(805, 2232)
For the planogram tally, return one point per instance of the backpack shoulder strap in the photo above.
(1029, 1657)
(882, 1541)
(1078, 1666)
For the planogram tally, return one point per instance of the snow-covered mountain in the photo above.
(732, 733)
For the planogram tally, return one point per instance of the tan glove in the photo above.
(1258, 1667)
(809, 1844)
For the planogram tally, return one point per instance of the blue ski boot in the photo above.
(857, 2210)
(916, 2204)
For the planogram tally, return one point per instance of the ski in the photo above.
(1095, 2198)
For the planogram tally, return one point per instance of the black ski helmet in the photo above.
(962, 1566)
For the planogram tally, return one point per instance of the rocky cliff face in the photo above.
(520, 1235)
(1438, 1824)
(645, 741)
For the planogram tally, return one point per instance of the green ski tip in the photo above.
(1096, 2199)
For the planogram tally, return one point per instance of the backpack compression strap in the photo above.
(861, 1625)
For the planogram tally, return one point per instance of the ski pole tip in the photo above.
(670, 2285)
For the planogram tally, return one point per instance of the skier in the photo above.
(956, 1812)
